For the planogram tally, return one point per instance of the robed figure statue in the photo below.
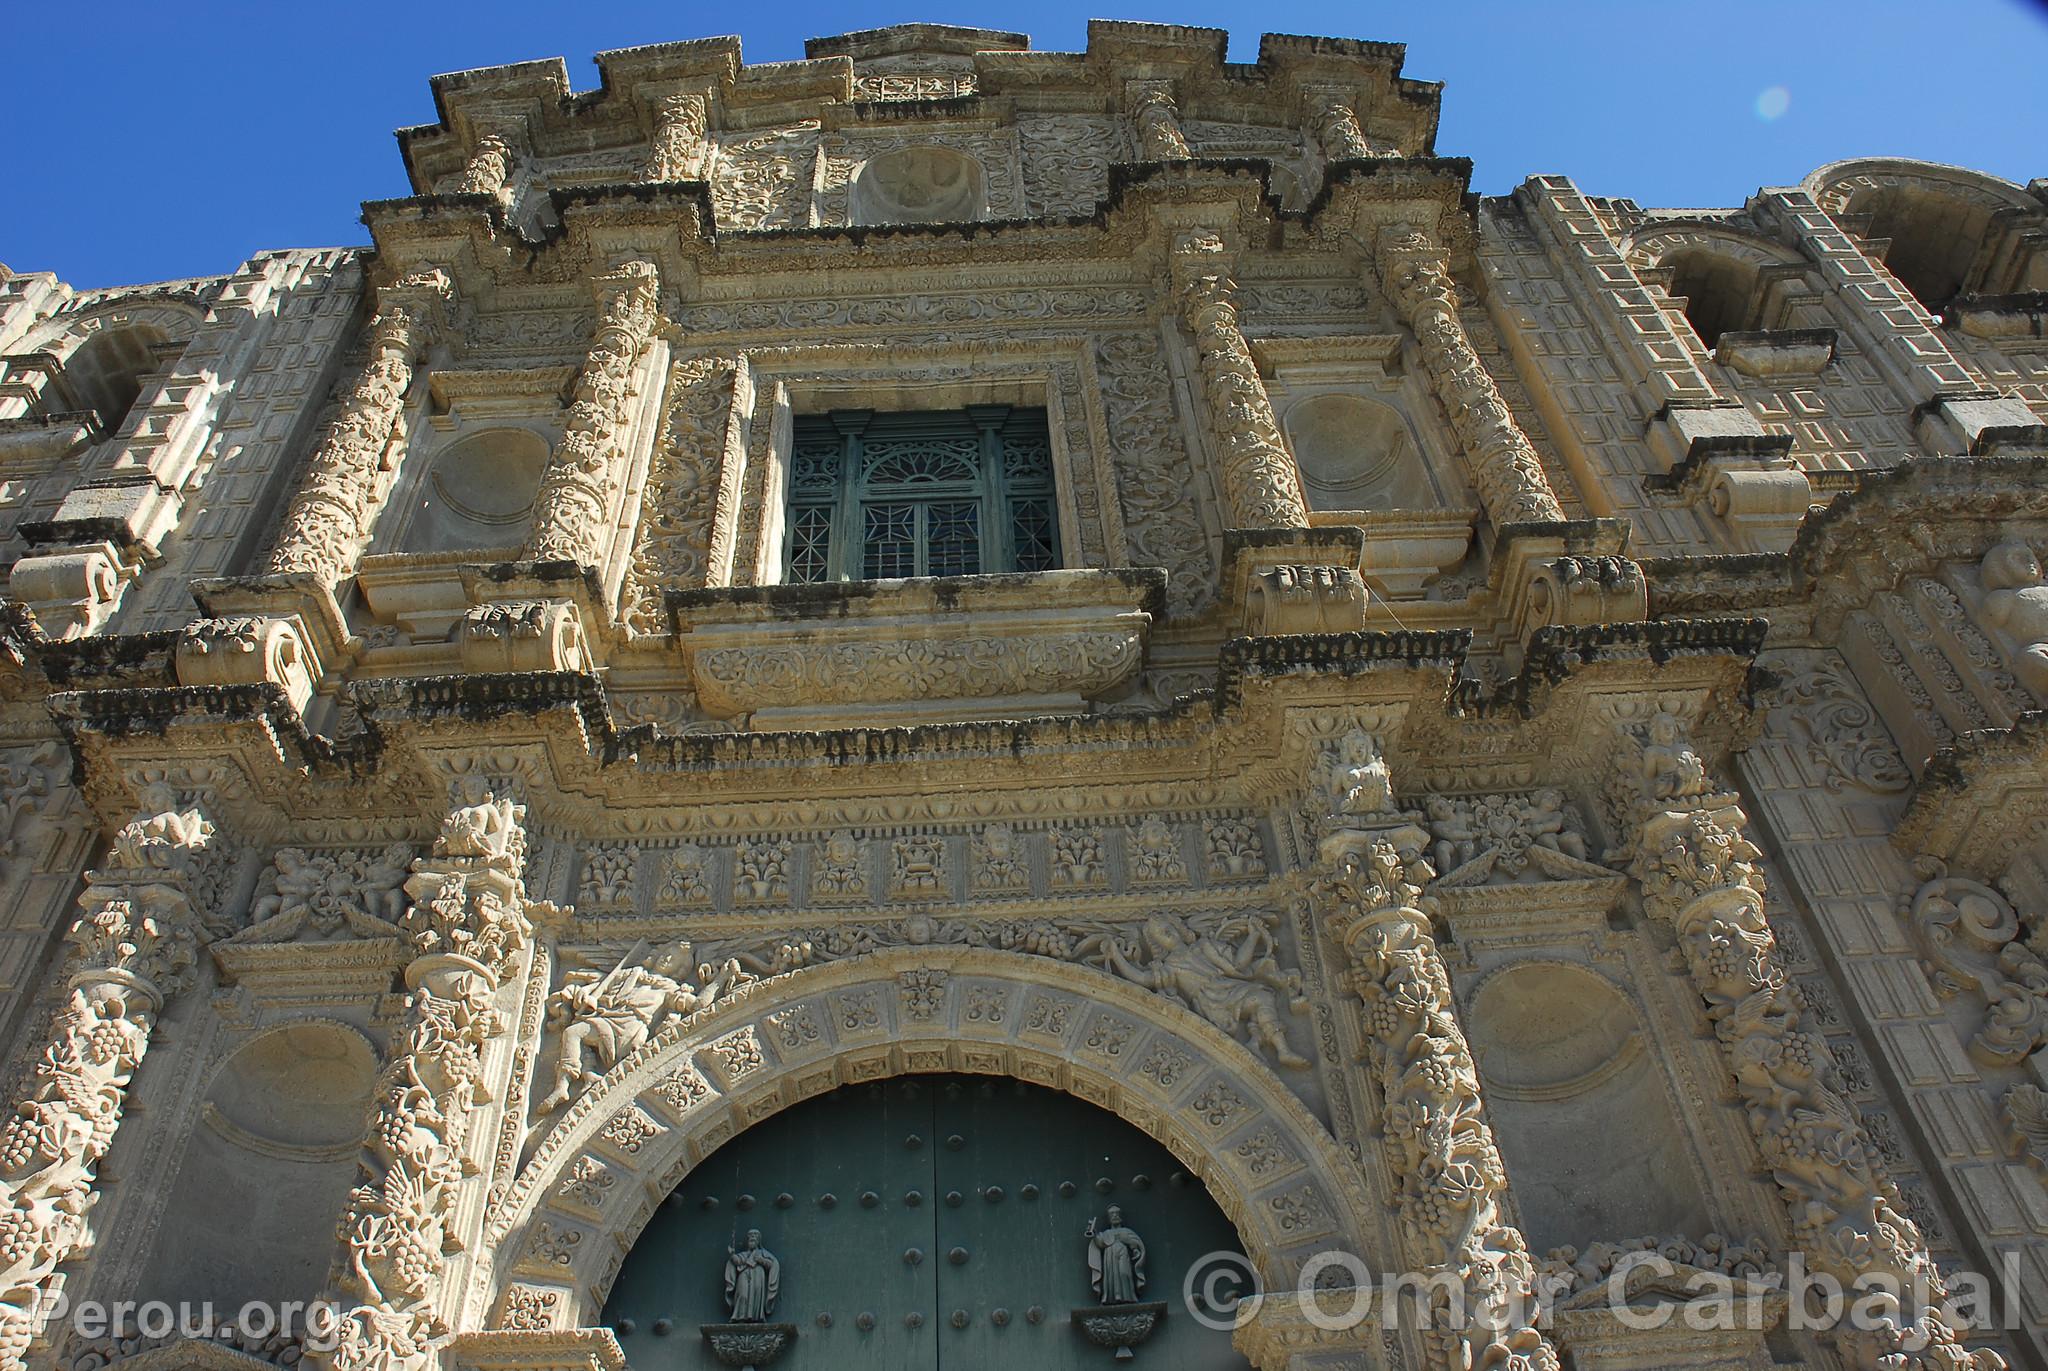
(1116, 1260)
(753, 1278)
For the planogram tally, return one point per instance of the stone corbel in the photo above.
(1578, 574)
(71, 592)
(523, 635)
(1724, 458)
(1306, 599)
(1157, 120)
(246, 650)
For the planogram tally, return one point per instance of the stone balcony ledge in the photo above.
(923, 650)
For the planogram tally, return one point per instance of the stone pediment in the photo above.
(898, 651)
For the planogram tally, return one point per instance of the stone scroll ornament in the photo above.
(351, 472)
(1260, 484)
(1368, 894)
(1700, 874)
(572, 513)
(135, 945)
(467, 928)
(1414, 269)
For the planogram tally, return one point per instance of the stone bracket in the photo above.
(1567, 573)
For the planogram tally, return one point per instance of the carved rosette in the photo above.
(1158, 121)
(467, 928)
(1700, 874)
(572, 512)
(1414, 269)
(350, 473)
(679, 147)
(135, 945)
(1441, 1151)
(1260, 483)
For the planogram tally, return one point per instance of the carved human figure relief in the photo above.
(1230, 977)
(2016, 605)
(607, 1015)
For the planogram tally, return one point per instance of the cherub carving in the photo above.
(612, 1014)
(1671, 769)
(2016, 604)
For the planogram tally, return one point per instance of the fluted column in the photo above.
(1700, 876)
(572, 513)
(1158, 121)
(1261, 486)
(468, 929)
(679, 148)
(1335, 124)
(328, 522)
(1369, 897)
(134, 946)
(1415, 271)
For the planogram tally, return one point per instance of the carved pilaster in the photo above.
(467, 929)
(1700, 875)
(1369, 896)
(679, 147)
(572, 513)
(489, 169)
(1158, 122)
(350, 473)
(1261, 487)
(134, 946)
(1415, 271)
(1335, 124)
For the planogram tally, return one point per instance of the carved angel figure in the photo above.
(485, 825)
(1232, 987)
(612, 1014)
(1364, 784)
(2016, 604)
(1671, 769)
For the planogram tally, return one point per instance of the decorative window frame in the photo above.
(1056, 374)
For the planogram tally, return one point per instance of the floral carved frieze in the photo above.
(305, 896)
(740, 678)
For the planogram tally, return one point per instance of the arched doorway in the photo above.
(925, 1221)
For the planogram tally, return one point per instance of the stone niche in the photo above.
(1580, 1105)
(1343, 402)
(921, 184)
(269, 1164)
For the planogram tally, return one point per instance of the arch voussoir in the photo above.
(596, 1180)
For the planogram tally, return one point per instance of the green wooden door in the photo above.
(927, 1221)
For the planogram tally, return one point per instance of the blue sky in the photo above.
(153, 141)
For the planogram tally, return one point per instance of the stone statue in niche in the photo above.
(1116, 1260)
(2016, 604)
(1230, 977)
(753, 1280)
(1671, 769)
(611, 1014)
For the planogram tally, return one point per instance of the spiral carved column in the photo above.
(1368, 895)
(1261, 487)
(1700, 876)
(135, 945)
(1413, 268)
(573, 511)
(350, 475)
(468, 929)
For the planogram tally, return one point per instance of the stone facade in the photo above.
(1532, 747)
